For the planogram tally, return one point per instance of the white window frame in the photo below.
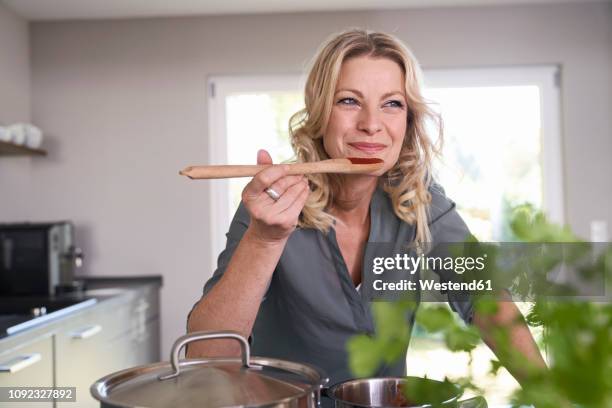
(219, 88)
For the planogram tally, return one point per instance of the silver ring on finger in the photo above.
(272, 193)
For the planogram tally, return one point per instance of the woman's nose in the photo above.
(369, 121)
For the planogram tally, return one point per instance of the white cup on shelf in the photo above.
(5, 135)
(34, 136)
(18, 133)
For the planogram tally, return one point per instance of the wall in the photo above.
(14, 107)
(124, 107)
(14, 68)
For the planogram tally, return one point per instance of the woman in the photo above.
(289, 274)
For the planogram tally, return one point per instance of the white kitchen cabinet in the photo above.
(29, 365)
(109, 337)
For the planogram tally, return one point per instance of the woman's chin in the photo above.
(380, 172)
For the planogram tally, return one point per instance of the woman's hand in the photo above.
(274, 220)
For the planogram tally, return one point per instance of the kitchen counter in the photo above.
(110, 326)
(16, 313)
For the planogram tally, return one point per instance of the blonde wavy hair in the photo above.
(407, 182)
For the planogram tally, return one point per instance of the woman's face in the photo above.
(369, 115)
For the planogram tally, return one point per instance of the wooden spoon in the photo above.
(349, 165)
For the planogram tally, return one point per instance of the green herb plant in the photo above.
(577, 333)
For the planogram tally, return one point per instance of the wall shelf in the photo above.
(11, 149)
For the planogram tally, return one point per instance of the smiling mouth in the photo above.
(368, 147)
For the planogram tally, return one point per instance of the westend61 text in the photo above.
(476, 285)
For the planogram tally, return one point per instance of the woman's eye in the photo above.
(347, 101)
(395, 104)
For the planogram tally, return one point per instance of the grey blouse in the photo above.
(311, 307)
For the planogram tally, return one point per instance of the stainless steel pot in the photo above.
(214, 382)
(411, 392)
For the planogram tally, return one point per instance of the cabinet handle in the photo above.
(87, 332)
(19, 363)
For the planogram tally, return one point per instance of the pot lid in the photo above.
(213, 382)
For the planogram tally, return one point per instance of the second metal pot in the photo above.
(413, 392)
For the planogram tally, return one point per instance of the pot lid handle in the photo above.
(206, 335)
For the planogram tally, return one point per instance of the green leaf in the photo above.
(394, 350)
(365, 355)
(390, 320)
(435, 318)
(462, 338)
(495, 366)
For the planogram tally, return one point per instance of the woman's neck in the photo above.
(352, 203)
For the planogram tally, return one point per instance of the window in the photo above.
(502, 143)
(246, 114)
(502, 139)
